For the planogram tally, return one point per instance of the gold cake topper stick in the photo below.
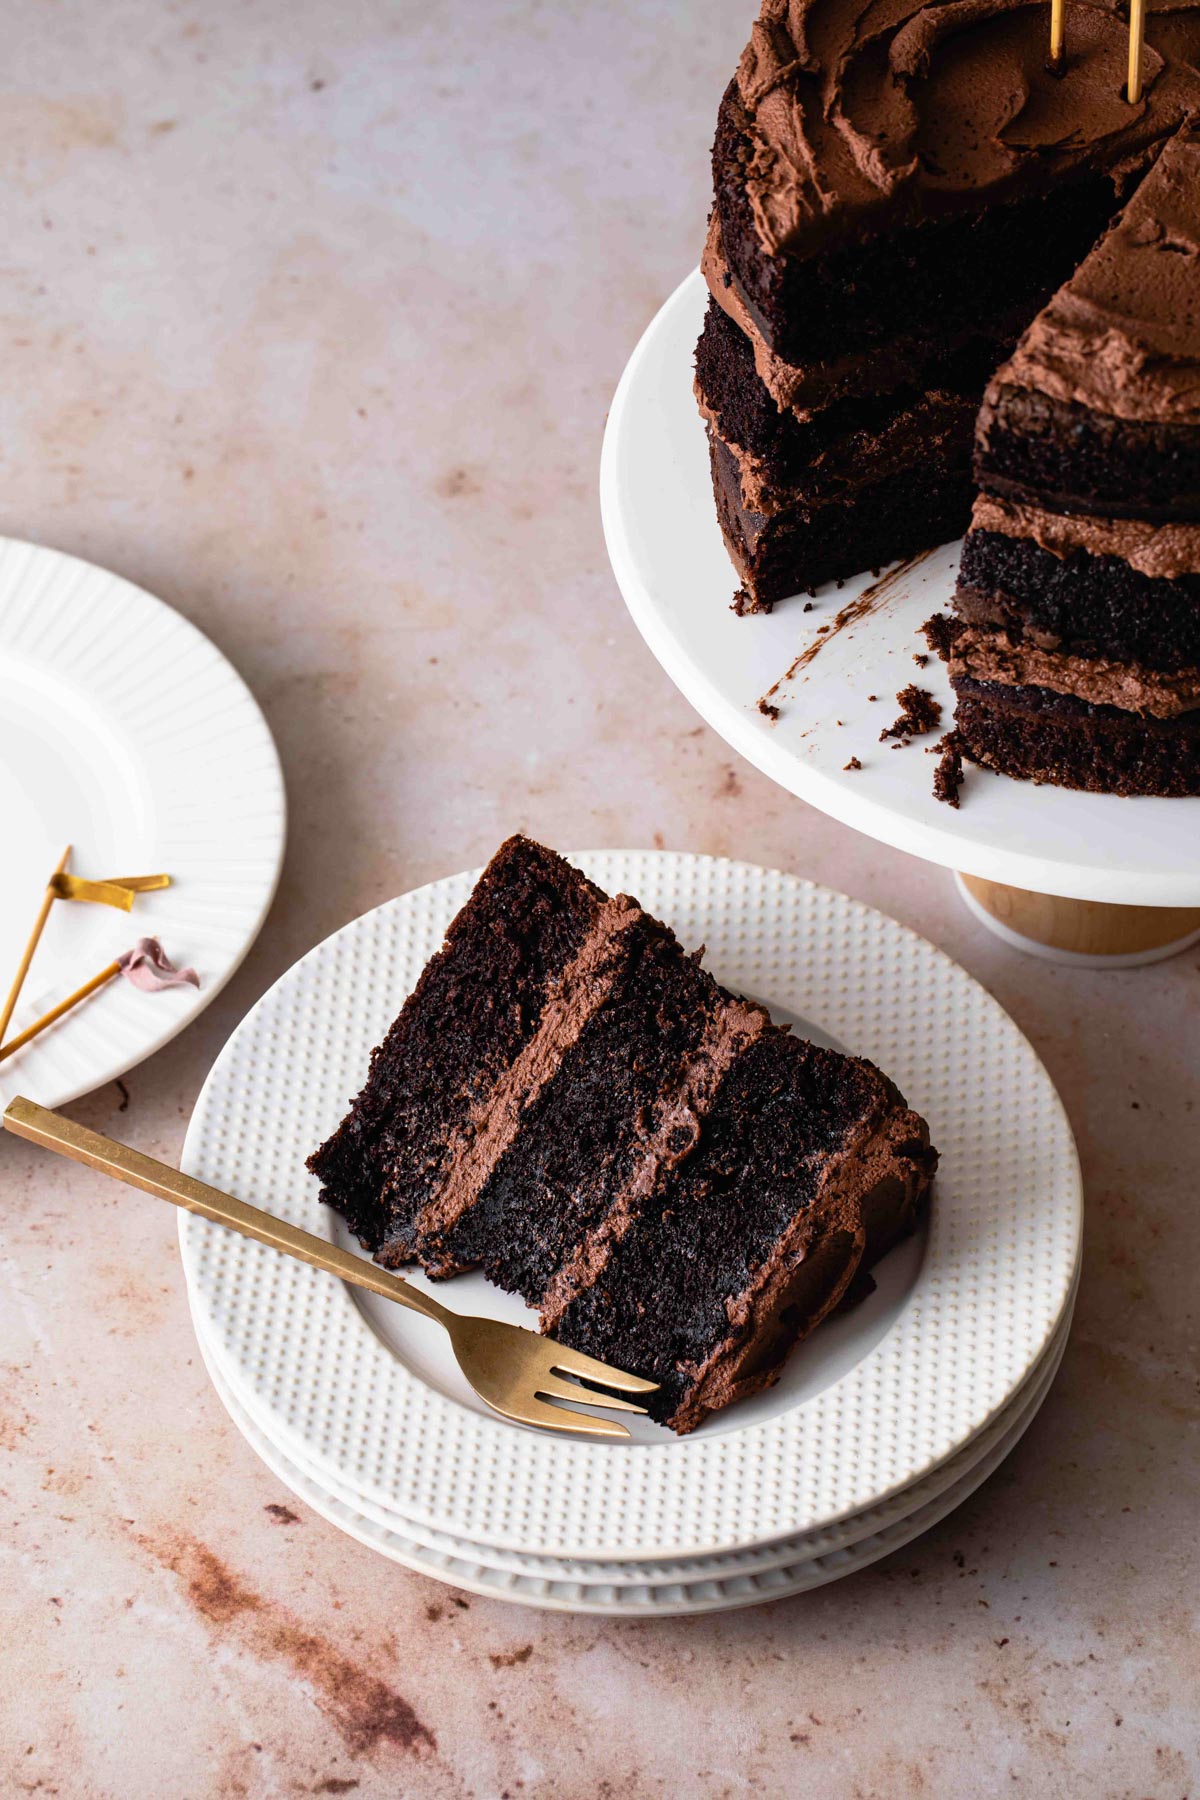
(48, 899)
(1137, 34)
(56, 1012)
(1058, 22)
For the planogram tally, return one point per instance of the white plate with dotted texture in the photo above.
(617, 1578)
(128, 736)
(881, 1532)
(867, 1406)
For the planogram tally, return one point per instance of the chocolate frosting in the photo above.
(670, 1137)
(1013, 661)
(1123, 335)
(868, 111)
(1162, 551)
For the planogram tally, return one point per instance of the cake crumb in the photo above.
(808, 606)
(872, 696)
(768, 711)
(948, 776)
(852, 764)
(920, 658)
(919, 713)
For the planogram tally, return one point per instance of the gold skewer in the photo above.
(101, 893)
(141, 884)
(14, 992)
(64, 1006)
(1058, 20)
(1137, 36)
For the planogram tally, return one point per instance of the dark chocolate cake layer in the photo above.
(1089, 605)
(807, 539)
(617, 1089)
(1061, 455)
(1039, 736)
(476, 1005)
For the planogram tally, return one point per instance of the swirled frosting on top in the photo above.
(857, 108)
(1123, 335)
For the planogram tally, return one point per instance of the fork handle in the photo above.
(54, 1132)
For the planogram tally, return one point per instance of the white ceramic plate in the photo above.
(672, 567)
(619, 1577)
(704, 1595)
(872, 1403)
(128, 735)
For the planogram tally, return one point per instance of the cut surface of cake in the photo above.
(896, 194)
(804, 500)
(1074, 651)
(570, 1102)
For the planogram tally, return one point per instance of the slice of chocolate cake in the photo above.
(1075, 652)
(637, 1152)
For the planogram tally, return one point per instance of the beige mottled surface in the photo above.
(309, 316)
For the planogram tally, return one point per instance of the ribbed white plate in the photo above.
(715, 1592)
(621, 1576)
(127, 735)
(872, 1403)
(665, 545)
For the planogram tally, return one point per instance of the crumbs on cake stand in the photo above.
(920, 713)
(948, 776)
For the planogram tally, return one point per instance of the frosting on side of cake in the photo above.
(1122, 337)
(869, 1196)
(1162, 552)
(900, 109)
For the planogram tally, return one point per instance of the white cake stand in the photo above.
(1086, 878)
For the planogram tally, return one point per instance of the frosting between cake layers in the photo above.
(1122, 337)
(1010, 661)
(1164, 552)
(857, 109)
(803, 389)
(675, 1132)
(494, 1121)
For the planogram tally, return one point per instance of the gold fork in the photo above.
(514, 1370)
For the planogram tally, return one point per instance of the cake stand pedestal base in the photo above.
(1085, 934)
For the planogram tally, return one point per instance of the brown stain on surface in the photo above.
(363, 1709)
(508, 1659)
(869, 601)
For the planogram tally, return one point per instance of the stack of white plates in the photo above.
(884, 1420)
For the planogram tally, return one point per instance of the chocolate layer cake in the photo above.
(569, 1101)
(1075, 650)
(893, 191)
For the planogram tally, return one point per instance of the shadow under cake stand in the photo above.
(1082, 878)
